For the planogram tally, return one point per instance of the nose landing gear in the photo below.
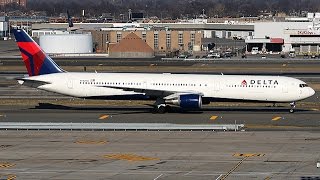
(293, 106)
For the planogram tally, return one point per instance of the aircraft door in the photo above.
(216, 86)
(285, 88)
(144, 85)
(70, 83)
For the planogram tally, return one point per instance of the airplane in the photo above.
(70, 22)
(71, 28)
(187, 91)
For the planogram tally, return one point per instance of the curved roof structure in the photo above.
(132, 43)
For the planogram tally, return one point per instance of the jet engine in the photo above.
(188, 101)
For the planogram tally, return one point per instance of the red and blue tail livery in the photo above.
(36, 61)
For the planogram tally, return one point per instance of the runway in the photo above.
(158, 155)
(254, 118)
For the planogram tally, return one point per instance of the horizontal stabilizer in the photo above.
(31, 83)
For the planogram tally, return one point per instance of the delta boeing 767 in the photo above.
(187, 91)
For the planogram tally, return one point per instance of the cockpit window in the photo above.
(303, 85)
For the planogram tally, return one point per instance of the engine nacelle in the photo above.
(188, 101)
(193, 101)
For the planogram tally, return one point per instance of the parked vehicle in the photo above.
(255, 50)
(214, 55)
(292, 54)
(227, 54)
(183, 56)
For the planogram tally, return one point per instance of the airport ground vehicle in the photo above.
(292, 54)
(255, 50)
(214, 55)
(187, 91)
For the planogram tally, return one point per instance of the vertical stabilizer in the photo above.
(70, 22)
(36, 60)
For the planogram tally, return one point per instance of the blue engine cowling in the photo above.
(192, 101)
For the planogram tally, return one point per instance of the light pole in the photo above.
(203, 13)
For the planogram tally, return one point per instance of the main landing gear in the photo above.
(293, 106)
(161, 107)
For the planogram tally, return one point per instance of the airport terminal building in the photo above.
(299, 35)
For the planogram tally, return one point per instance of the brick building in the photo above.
(160, 40)
(20, 2)
(131, 46)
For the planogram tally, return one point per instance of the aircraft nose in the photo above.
(311, 92)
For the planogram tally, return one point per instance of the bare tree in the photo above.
(172, 8)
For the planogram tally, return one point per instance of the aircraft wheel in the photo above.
(168, 108)
(161, 109)
(293, 106)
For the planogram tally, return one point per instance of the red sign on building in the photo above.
(277, 40)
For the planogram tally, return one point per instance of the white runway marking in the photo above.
(158, 177)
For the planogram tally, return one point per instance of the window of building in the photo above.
(144, 36)
(180, 40)
(35, 34)
(119, 36)
(168, 41)
(229, 34)
(107, 37)
(192, 38)
(156, 40)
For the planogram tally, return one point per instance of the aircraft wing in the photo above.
(153, 92)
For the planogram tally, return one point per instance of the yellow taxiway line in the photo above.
(213, 118)
(129, 157)
(244, 157)
(6, 165)
(103, 117)
(90, 142)
(276, 118)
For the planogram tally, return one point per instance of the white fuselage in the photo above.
(238, 87)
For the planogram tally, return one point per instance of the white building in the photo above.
(299, 34)
(228, 34)
(67, 43)
(4, 26)
(38, 33)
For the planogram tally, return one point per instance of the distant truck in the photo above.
(214, 55)
(292, 54)
(255, 50)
